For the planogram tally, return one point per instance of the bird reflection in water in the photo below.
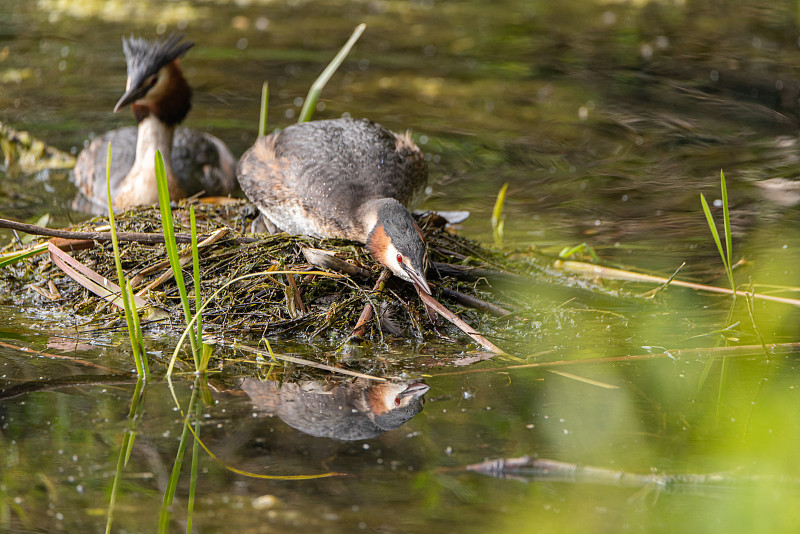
(359, 409)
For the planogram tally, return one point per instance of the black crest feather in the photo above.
(145, 58)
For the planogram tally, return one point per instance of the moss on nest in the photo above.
(328, 307)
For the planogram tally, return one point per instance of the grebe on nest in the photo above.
(342, 178)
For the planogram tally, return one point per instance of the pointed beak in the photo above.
(132, 94)
(417, 389)
(419, 280)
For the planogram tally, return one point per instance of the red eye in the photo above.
(399, 258)
(397, 399)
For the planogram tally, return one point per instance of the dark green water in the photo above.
(606, 120)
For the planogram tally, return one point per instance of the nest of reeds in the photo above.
(302, 305)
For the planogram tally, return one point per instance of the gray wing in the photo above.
(90, 168)
(352, 161)
(324, 170)
(203, 162)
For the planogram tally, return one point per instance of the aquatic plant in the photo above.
(727, 253)
(498, 221)
(316, 88)
(174, 258)
(262, 119)
(131, 314)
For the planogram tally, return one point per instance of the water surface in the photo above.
(606, 120)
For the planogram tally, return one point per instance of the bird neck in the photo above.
(170, 99)
(371, 211)
(139, 186)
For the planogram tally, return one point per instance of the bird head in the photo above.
(396, 242)
(153, 75)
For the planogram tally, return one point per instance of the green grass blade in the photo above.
(497, 215)
(316, 88)
(172, 484)
(713, 227)
(714, 232)
(137, 330)
(195, 463)
(131, 314)
(198, 297)
(13, 257)
(726, 214)
(172, 247)
(262, 120)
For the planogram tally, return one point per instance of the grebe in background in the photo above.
(160, 98)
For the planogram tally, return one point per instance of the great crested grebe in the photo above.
(160, 98)
(342, 178)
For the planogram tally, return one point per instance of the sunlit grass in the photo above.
(262, 119)
(498, 221)
(174, 258)
(129, 305)
(727, 253)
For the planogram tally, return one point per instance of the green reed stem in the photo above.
(727, 253)
(172, 484)
(198, 297)
(262, 119)
(172, 249)
(195, 463)
(131, 314)
(497, 215)
(316, 88)
(134, 415)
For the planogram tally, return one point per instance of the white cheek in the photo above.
(391, 261)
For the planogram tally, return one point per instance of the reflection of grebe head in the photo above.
(359, 409)
(392, 404)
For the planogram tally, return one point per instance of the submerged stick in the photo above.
(293, 359)
(528, 468)
(609, 273)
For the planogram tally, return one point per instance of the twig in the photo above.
(366, 315)
(474, 302)
(293, 359)
(431, 302)
(296, 297)
(609, 273)
(136, 237)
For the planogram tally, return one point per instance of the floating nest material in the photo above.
(24, 152)
(304, 306)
